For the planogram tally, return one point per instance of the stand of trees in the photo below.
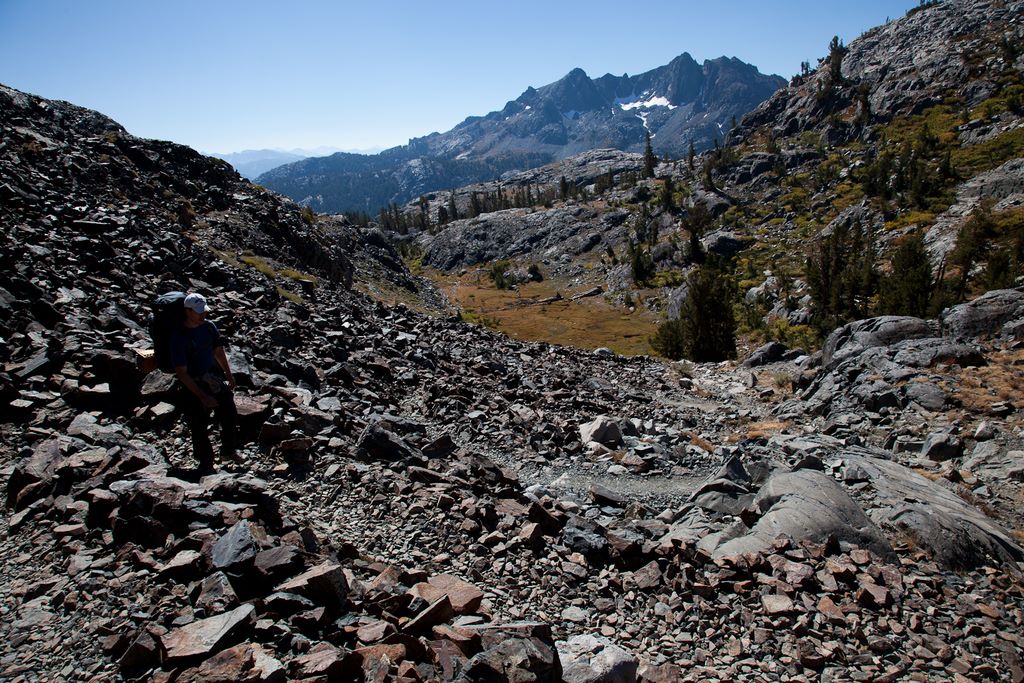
(705, 330)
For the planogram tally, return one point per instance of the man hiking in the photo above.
(199, 361)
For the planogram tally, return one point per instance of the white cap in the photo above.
(197, 302)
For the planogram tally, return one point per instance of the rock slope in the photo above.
(422, 499)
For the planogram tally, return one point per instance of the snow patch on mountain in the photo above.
(635, 101)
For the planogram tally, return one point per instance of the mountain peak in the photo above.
(675, 103)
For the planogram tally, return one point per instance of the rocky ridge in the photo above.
(680, 102)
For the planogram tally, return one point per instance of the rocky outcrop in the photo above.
(545, 234)
(907, 65)
(988, 315)
(1001, 189)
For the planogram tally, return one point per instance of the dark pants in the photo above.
(198, 418)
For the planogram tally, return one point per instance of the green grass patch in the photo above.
(260, 264)
(291, 296)
(474, 318)
(667, 278)
(297, 275)
(969, 161)
(911, 218)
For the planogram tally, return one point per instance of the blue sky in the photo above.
(225, 75)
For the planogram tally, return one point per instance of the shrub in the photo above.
(498, 275)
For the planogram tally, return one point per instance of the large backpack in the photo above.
(168, 315)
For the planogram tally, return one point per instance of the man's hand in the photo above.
(231, 383)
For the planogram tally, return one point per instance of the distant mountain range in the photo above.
(679, 103)
(251, 163)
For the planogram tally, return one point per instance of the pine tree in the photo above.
(836, 52)
(453, 209)
(641, 265)
(691, 154)
(650, 161)
(842, 277)
(668, 194)
(971, 246)
(907, 290)
(706, 328)
(698, 220)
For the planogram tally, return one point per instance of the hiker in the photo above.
(199, 361)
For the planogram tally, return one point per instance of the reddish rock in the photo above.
(465, 598)
(437, 613)
(871, 595)
(248, 662)
(205, 636)
(374, 631)
(323, 660)
(777, 604)
(648, 576)
(831, 611)
(324, 584)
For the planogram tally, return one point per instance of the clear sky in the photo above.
(228, 75)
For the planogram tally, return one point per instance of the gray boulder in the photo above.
(725, 243)
(984, 316)
(771, 352)
(590, 659)
(926, 395)
(905, 503)
(991, 460)
(804, 505)
(602, 429)
(941, 446)
(854, 338)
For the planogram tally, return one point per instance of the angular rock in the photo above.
(324, 584)
(206, 636)
(602, 429)
(590, 659)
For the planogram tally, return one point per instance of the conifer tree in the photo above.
(698, 219)
(907, 290)
(842, 277)
(453, 209)
(650, 161)
(836, 52)
(668, 194)
(706, 328)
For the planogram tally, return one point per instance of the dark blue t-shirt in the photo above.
(193, 347)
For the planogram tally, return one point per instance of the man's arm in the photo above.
(182, 372)
(222, 361)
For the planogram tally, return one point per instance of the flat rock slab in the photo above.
(803, 505)
(324, 584)
(205, 636)
(957, 533)
(464, 596)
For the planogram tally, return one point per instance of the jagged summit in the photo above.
(678, 103)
